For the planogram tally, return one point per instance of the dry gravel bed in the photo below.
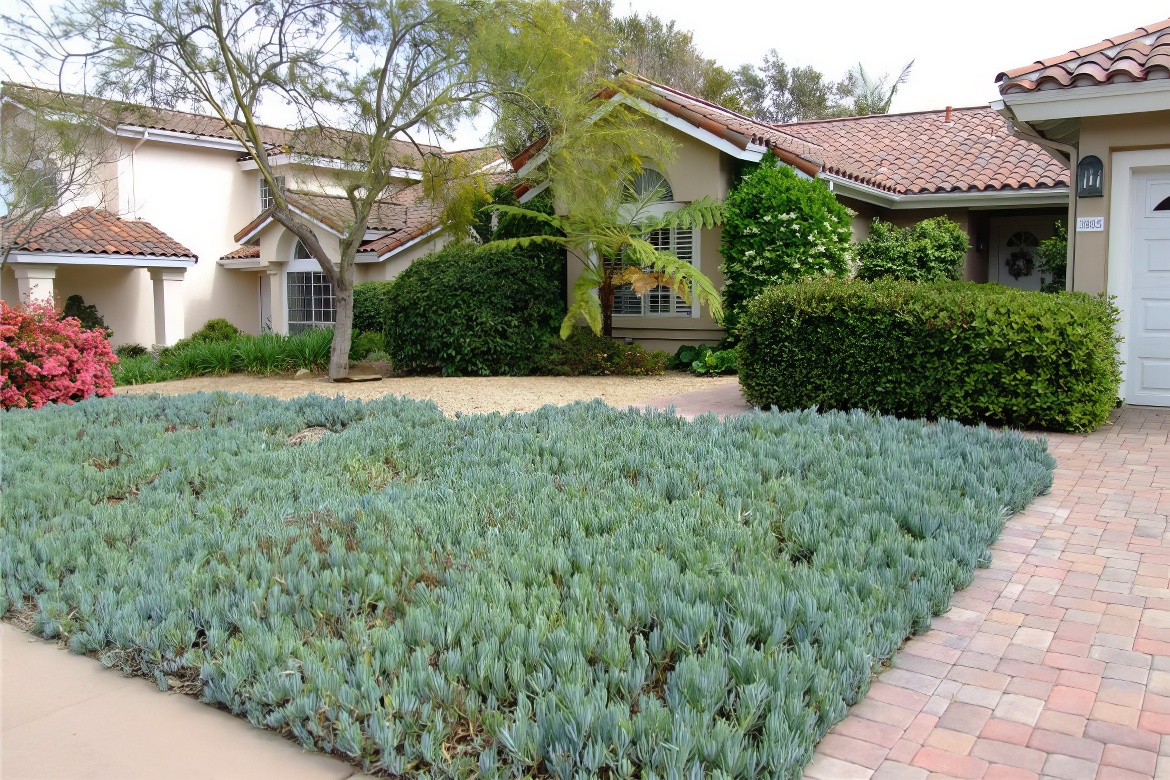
(469, 395)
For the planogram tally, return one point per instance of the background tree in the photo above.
(873, 95)
(364, 79)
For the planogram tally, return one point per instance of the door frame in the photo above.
(1124, 169)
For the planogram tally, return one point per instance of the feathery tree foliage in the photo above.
(366, 80)
(612, 242)
(485, 596)
(873, 95)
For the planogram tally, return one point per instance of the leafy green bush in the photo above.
(929, 251)
(779, 227)
(576, 592)
(124, 351)
(363, 344)
(86, 313)
(969, 352)
(705, 360)
(585, 353)
(470, 310)
(216, 330)
(369, 306)
(1053, 253)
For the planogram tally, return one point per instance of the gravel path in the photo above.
(470, 395)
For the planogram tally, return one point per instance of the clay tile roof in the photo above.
(920, 153)
(1140, 55)
(93, 231)
(319, 140)
(243, 253)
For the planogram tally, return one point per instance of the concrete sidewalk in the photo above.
(65, 716)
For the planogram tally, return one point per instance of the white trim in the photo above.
(1088, 100)
(410, 243)
(753, 153)
(1049, 196)
(81, 258)
(255, 231)
(315, 161)
(532, 193)
(1118, 271)
(184, 139)
(242, 263)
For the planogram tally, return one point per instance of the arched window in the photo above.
(310, 295)
(1163, 206)
(649, 181)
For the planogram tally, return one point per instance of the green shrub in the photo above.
(86, 313)
(779, 227)
(268, 353)
(587, 354)
(141, 370)
(369, 306)
(706, 360)
(470, 310)
(363, 344)
(124, 351)
(579, 592)
(1053, 254)
(969, 352)
(218, 329)
(930, 251)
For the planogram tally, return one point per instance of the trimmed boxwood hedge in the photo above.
(472, 310)
(964, 351)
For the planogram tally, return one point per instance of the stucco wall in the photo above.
(1104, 136)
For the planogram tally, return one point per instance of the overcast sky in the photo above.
(958, 47)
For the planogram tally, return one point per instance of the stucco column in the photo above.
(277, 310)
(169, 322)
(34, 282)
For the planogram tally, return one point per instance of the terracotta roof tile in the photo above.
(243, 253)
(920, 153)
(1140, 55)
(96, 232)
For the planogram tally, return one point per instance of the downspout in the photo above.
(134, 175)
(1074, 156)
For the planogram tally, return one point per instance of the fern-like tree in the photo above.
(613, 242)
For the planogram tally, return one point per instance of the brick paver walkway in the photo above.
(1055, 663)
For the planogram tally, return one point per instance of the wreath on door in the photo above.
(1022, 260)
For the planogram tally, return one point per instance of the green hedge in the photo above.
(968, 352)
(369, 306)
(471, 310)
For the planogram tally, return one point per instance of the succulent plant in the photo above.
(578, 591)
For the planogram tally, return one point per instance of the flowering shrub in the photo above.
(44, 359)
(778, 227)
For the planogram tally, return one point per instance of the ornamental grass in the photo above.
(574, 592)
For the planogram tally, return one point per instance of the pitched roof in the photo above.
(1140, 55)
(920, 153)
(95, 232)
(243, 253)
(318, 140)
(737, 129)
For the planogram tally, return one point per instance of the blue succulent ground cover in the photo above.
(574, 592)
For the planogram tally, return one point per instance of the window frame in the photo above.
(266, 199)
(301, 264)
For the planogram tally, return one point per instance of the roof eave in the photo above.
(1037, 197)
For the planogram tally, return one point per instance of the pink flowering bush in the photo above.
(46, 359)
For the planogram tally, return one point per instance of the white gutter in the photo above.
(252, 234)
(18, 257)
(333, 163)
(1049, 196)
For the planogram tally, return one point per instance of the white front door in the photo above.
(1013, 256)
(1148, 372)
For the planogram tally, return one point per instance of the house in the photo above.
(965, 163)
(1107, 106)
(173, 226)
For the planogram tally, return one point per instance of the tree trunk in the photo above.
(342, 328)
(605, 292)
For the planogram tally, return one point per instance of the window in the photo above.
(1163, 206)
(661, 301)
(310, 297)
(646, 182)
(266, 199)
